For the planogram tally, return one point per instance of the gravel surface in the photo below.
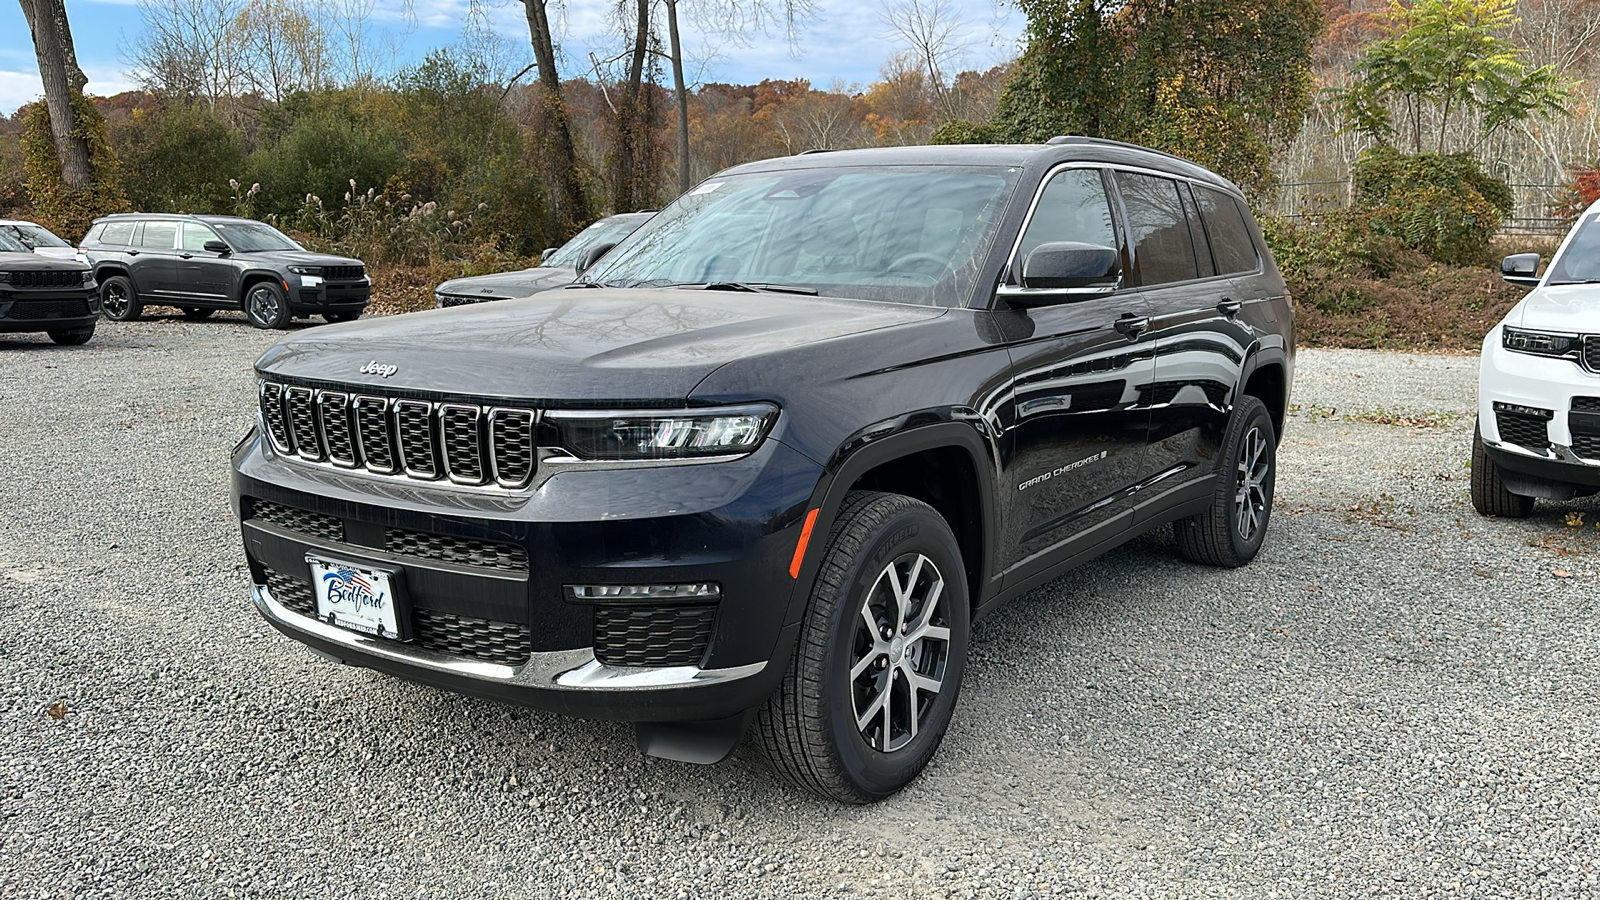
(1398, 698)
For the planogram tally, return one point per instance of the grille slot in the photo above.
(292, 593)
(472, 444)
(465, 551)
(1591, 353)
(329, 528)
(49, 309)
(501, 642)
(47, 279)
(1523, 430)
(673, 635)
(333, 411)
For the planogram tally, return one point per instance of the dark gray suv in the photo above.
(200, 264)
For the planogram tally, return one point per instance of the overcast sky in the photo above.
(845, 42)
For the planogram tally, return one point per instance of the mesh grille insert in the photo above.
(511, 440)
(49, 309)
(501, 642)
(303, 423)
(463, 442)
(669, 635)
(292, 593)
(1586, 404)
(464, 551)
(1523, 430)
(328, 528)
(1591, 353)
(414, 424)
(333, 408)
(1586, 446)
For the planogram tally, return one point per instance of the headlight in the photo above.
(1540, 343)
(680, 434)
(306, 270)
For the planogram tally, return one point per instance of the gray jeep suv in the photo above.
(200, 264)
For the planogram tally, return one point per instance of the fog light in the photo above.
(642, 593)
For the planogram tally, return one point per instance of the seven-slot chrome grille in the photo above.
(464, 443)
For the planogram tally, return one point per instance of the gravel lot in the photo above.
(1398, 698)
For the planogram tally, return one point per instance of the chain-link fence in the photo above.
(1530, 213)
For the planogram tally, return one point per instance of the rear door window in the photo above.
(1163, 251)
(1230, 236)
(159, 235)
(118, 233)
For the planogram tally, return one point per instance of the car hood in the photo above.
(508, 284)
(1573, 308)
(57, 252)
(576, 348)
(35, 262)
(301, 258)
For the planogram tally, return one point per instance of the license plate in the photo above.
(355, 597)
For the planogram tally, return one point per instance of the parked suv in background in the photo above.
(200, 264)
(38, 239)
(557, 268)
(43, 293)
(1538, 432)
(773, 456)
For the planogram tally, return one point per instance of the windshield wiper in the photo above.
(753, 287)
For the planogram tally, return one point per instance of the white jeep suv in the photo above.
(1538, 432)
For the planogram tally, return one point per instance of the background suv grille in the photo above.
(652, 635)
(470, 444)
(448, 300)
(343, 273)
(1523, 430)
(47, 279)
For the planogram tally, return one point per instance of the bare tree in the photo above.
(937, 37)
(565, 191)
(190, 49)
(63, 80)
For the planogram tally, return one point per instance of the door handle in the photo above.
(1132, 325)
(186, 256)
(1229, 307)
(133, 253)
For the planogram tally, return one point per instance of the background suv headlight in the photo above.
(666, 435)
(1541, 343)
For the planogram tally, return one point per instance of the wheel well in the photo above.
(104, 272)
(945, 479)
(253, 279)
(1266, 385)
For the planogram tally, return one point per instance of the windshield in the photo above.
(35, 236)
(606, 231)
(10, 244)
(904, 234)
(254, 237)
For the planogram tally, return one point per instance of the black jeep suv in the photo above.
(200, 264)
(776, 453)
(43, 293)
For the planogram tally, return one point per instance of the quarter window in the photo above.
(1072, 207)
(1230, 236)
(1162, 248)
(159, 235)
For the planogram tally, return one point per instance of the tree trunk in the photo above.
(63, 80)
(681, 94)
(626, 153)
(566, 193)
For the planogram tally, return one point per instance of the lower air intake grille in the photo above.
(465, 551)
(652, 635)
(1586, 446)
(1523, 430)
(328, 528)
(49, 309)
(501, 642)
(292, 593)
(1586, 404)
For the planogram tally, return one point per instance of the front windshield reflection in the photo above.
(903, 234)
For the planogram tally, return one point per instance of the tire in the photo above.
(265, 305)
(72, 337)
(1490, 496)
(336, 318)
(881, 547)
(119, 301)
(195, 314)
(1231, 531)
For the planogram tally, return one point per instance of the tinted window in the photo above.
(1230, 236)
(1197, 233)
(159, 235)
(256, 237)
(1072, 207)
(605, 231)
(9, 244)
(1579, 260)
(1157, 228)
(118, 233)
(37, 236)
(195, 236)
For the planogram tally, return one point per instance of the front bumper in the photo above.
(733, 523)
(331, 297)
(48, 310)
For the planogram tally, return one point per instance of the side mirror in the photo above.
(216, 246)
(1063, 271)
(592, 256)
(545, 256)
(1520, 269)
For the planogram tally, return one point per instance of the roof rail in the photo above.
(1107, 142)
(816, 150)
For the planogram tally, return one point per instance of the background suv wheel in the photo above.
(119, 302)
(265, 306)
(873, 682)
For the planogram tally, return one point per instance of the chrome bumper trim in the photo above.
(569, 670)
(1561, 453)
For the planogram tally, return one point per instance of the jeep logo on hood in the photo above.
(378, 368)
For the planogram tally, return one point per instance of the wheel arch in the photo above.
(253, 277)
(1265, 376)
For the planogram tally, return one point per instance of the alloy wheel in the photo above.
(900, 651)
(263, 305)
(115, 301)
(1250, 498)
